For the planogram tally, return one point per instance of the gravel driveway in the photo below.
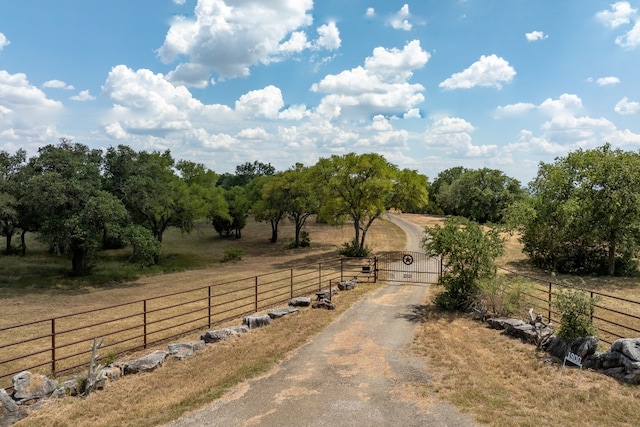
(359, 371)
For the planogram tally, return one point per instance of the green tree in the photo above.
(245, 173)
(575, 308)
(361, 188)
(235, 219)
(269, 204)
(481, 195)
(65, 191)
(470, 254)
(10, 166)
(584, 212)
(440, 197)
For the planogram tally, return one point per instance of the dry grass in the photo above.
(504, 382)
(181, 386)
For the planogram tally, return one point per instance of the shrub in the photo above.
(503, 296)
(233, 254)
(470, 254)
(349, 250)
(575, 309)
(146, 248)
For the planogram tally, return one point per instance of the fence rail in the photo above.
(62, 344)
(614, 317)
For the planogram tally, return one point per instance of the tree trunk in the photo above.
(22, 243)
(8, 247)
(79, 261)
(612, 258)
(356, 240)
(274, 231)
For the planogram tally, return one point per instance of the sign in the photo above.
(573, 358)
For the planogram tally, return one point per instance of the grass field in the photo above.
(513, 386)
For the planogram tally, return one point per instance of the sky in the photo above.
(429, 84)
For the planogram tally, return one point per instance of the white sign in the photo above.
(573, 358)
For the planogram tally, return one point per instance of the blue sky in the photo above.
(429, 84)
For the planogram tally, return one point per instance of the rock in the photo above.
(281, 312)
(300, 302)
(256, 321)
(28, 386)
(108, 374)
(146, 363)
(502, 322)
(73, 387)
(346, 285)
(182, 350)
(10, 413)
(58, 393)
(622, 360)
(222, 334)
(584, 347)
(324, 304)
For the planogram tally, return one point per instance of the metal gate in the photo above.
(407, 266)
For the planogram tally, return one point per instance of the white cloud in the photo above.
(17, 93)
(3, 41)
(84, 95)
(329, 37)
(535, 36)
(631, 39)
(607, 81)
(620, 14)
(565, 105)
(179, 2)
(265, 102)
(228, 37)
(382, 134)
(57, 84)
(488, 71)
(400, 20)
(413, 113)
(517, 109)
(296, 43)
(453, 135)
(253, 133)
(626, 107)
(370, 12)
(380, 86)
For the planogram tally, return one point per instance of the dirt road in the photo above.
(359, 371)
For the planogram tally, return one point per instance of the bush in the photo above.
(503, 296)
(349, 250)
(575, 309)
(470, 254)
(146, 248)
(233, 254)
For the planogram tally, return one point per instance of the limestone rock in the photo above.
(346, 285)
(280, 312)
(28, 386)
(10, 413)
(182, 350)
(222, 334)
(256, 321)
(146, 363)
(300, 302)
(622, 360)
(72, 387)
(324, 303)
(585, 347)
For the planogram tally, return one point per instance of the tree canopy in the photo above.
(584, 212)
(361, 188)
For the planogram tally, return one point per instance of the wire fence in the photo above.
(58, 345)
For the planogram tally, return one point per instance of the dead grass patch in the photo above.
(501, 381)
(182, 386)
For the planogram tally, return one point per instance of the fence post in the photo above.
(319, 276)
(53, 346)
(209, 306)
(256, 286)
(549, 305)
(592, 307)
(291, 280)
(375, 269)
(144, 322)
(341, 269)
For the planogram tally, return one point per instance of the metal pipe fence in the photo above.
(614, 317)
(62, 344)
